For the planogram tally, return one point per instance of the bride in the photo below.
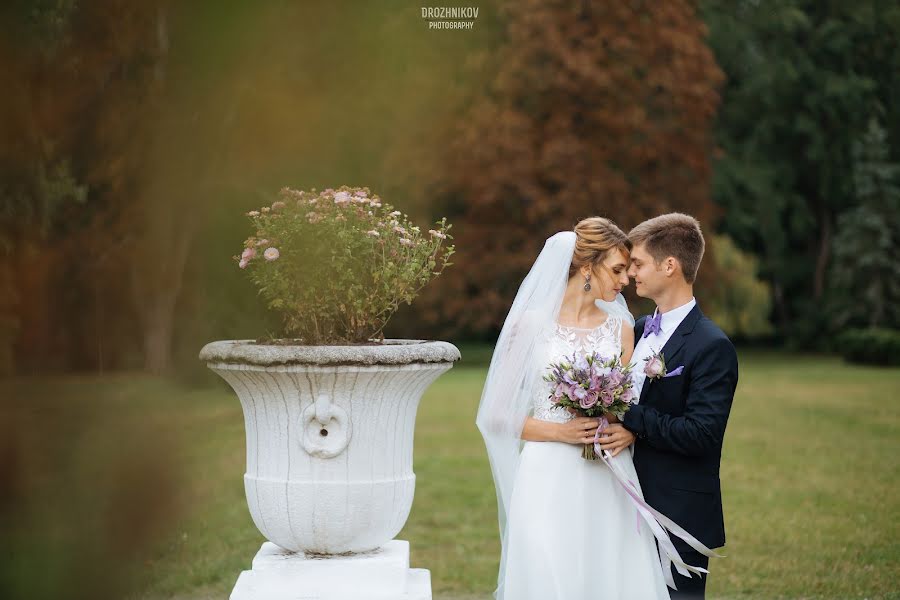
(569, 530)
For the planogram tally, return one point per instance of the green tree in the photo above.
(865, 275)
(740, 304)
(803, 78)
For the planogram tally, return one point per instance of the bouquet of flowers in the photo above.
(592, 386)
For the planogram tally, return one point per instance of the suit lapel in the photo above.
(674, 344)
(641, 398)
(676, 341)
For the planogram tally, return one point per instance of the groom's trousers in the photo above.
(690, 588)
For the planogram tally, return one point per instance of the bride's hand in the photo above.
(579, 430)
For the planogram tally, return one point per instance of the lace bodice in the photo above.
(560, 343)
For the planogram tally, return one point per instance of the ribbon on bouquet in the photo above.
(658, 522)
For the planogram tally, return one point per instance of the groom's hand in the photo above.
(616, 438)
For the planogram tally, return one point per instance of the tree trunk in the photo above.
(34, 348)
(781, 309)
(823, 255)
(158, 330)
(157, 286)
(158, 276)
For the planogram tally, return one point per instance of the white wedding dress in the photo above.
(573, 534)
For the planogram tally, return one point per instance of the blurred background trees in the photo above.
(136, 135)
(590, 108)
(807, 82)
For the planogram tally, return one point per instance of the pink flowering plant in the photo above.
(592, 386)
(337, 263)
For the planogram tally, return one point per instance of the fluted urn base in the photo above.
(330, 436)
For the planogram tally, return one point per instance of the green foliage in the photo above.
(876, 346)
(740, 303)
(39, 201)
(865, 273)
(42, 23)
(804, 78)
(337, 264)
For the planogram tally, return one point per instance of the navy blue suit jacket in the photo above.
(680, 425)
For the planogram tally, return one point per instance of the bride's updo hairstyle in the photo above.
(595, 237)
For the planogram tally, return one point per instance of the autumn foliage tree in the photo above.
(104, 188)
(75, 93)
(589, 108)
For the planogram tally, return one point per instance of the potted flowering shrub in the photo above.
(330, 409)
(338, 263)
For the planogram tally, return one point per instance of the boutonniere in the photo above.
(655, 367)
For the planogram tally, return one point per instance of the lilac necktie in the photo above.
(652, 325)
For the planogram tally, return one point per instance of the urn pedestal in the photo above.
(383, 574)
(329, 460)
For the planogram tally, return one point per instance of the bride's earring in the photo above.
(587, 283)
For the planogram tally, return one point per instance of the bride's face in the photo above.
(609, 277)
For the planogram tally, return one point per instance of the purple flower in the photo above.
(579, 392)
(560, 391)
(581, 363)
(599, 370)
(616, 377)
(627, 395)
(589, 400)
(606, 397)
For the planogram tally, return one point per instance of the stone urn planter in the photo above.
(329, 463)
(329, 436)
(329, 477)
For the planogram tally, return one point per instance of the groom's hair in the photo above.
(672, 234)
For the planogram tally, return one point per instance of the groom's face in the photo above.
(649, 278)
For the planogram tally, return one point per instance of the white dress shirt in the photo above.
(645, 347)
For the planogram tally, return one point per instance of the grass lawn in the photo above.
(810, 476)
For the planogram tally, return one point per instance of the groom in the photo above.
(679, 423)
